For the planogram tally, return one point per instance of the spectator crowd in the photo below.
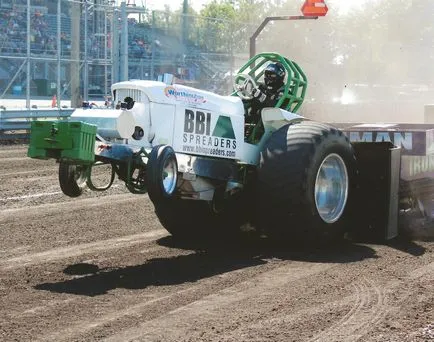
(13, 33)
(157, 48)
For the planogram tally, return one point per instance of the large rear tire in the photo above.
(306, 179)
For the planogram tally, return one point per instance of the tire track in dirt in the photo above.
(356, 323)
(355, 300)
(78, 330)
(361, 297)
(368, 309)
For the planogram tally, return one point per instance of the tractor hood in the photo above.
(177, 94)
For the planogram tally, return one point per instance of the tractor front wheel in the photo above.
(162, 173)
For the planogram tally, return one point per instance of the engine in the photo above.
(190, 120)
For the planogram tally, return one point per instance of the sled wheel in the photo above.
(162, 173)
(305, 183)
(72, 178)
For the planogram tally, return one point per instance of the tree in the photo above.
(215, 26)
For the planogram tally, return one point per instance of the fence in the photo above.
(15, 124)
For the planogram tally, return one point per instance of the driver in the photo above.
(269, 93)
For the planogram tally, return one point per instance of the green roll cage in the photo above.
(294, 90)
(295, 81)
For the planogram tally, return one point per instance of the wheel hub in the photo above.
(331, 188)
(169, 175)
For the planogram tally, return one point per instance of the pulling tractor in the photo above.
(208, 172)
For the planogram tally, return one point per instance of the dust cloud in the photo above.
(365, 61)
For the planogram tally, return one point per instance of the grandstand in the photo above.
(153, 49)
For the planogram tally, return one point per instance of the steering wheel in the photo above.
(244, 85)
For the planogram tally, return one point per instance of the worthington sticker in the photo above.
(200, 136)
(183, 95)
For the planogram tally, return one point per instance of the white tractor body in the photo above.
(192, 121)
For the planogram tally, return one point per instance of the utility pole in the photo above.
(86, 62)
(75, 55)
(124, 44)
(28, 57)
(115, 46)
(153, 46)
(59, 51)
(185, 21)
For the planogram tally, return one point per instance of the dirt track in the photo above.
(101, 267)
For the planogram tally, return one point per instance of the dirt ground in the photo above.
(102, 268)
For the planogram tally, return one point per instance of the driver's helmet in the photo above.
(274, 75)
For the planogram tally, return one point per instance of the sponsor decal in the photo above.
(183, 95)
(411, 143)
(375, 125)
(402, 139)
(414, 167)
(430, 142)
(200, 136)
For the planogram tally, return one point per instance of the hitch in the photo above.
(136, 180)
(89, 182)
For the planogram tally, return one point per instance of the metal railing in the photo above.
(15, 124)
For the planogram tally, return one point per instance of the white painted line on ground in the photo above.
(77, 250)
(66, 206)
(18, 151)
(30, 196)
(9, 159)
(20, 173)
(14, 198)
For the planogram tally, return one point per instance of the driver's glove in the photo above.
(240, 87)
(259, 95)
